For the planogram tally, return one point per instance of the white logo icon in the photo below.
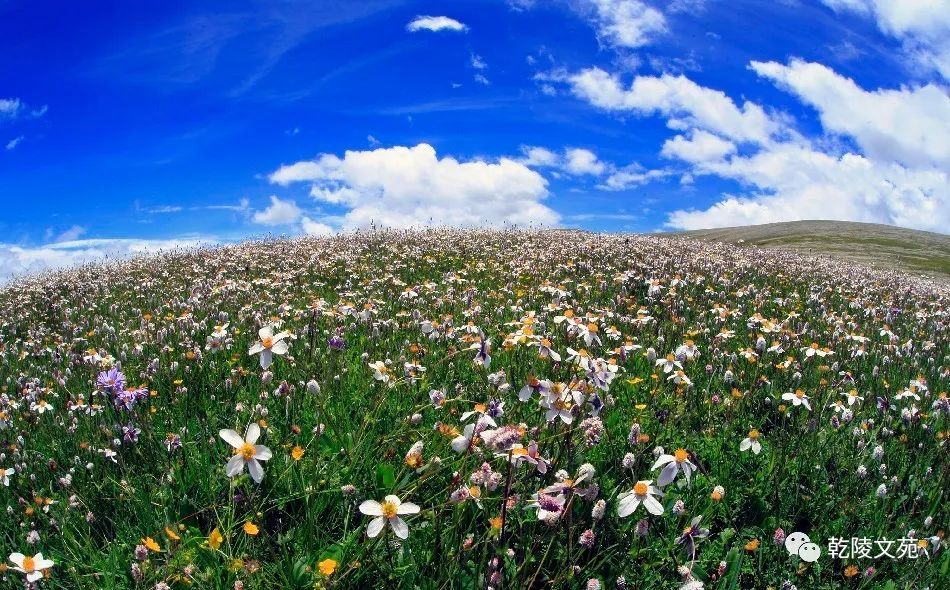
(799, 544)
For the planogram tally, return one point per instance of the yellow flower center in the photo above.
(640, 488)
(388, 509)
(267, 342)
(754, 434)
(29, 565)
(680, 455)
(799, 393)
(247, 451)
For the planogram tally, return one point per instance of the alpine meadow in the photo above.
(473, 409)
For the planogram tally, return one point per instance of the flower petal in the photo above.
(231, 437)
(371, 508)
(399, 527)
(375, 526)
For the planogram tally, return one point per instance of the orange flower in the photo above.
(297, 453)
(215, 539)
(851, 571)
(251, 529)
(752, 545)
(151, 544)
(327, 566)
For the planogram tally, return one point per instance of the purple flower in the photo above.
(130, 434)
(113, 380)
(127, 398)
(336, 341)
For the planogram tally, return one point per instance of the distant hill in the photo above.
(883, 246)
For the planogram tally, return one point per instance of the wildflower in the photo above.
(751, 442)
(673, 464)
(798, 398)
(215, 539)
(251, 529)
(5, 475)
(151, 544)
(388, 513)
(327, 567)
(643, 492)
(269, 345)
(31, 566)
(246, 452)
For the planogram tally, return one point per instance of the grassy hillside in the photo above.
(883, 246)
(469, 410)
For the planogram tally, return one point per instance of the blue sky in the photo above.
(139, 125)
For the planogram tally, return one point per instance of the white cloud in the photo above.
(631, 176)
(315, 228)
(539, 156)
(412, 187)
(684, 102)
(71, 234)
(626, 23)
(700, 146)
(13, 108)
(579, 161)
(922, 26)
(909, 125)
(793, 182)
(10, 107)
(477, 62)
(279, 212)
(897, 174)
(435, 23)
(17, 260)
(14, 142)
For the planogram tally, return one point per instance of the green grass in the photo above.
(152, 317)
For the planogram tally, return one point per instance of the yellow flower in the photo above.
(327, 566)
(172, 534)
(850, 571)
(297, 453)
(752, 545)
(251, 529)
(215, 538)
(151, 544)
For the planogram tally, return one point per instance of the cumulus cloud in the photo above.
(895, 170)
(315, 228)
(909, 125)
(625, 23)
(684, 102)
(579, 161)
(279, 212)
(434, 24)
(698, 147)
(539, 157)
(791, 182)
(16, 260)
(406, 186)
(922, 27)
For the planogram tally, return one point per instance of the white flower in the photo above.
(679, 460)
(246, 452)
(462, 442)
(31, 566)
(643, 492)
(388, 512)
(798, 398)
(269, 345)
(5, 476)
(752, 442)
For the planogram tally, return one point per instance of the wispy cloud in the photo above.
(11, 145)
